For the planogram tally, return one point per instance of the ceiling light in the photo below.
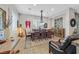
(34, 4)
(52, 9)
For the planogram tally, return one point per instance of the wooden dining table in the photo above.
(41, 34)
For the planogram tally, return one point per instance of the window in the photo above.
(58, 23)
(35, 24)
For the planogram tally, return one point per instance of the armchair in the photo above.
(64, 48)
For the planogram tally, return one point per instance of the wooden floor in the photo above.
(36, 47)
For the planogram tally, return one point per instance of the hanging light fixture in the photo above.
(41, 16)
(42, 23)
(41, 20)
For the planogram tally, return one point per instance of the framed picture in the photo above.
(27, 24)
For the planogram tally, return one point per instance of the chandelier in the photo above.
(41, 16)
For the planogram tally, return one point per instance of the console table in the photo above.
(59, 32)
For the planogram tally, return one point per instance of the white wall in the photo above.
(14, 18)
(71, 15)
(66, 22)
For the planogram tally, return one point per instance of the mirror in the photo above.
(2, 23)
(2, 19)
(72, 22)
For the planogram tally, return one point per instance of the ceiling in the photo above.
(48, 9)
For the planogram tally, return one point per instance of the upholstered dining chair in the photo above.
(35, 36)
(43, 34)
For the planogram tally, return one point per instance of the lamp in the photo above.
(20, 31)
